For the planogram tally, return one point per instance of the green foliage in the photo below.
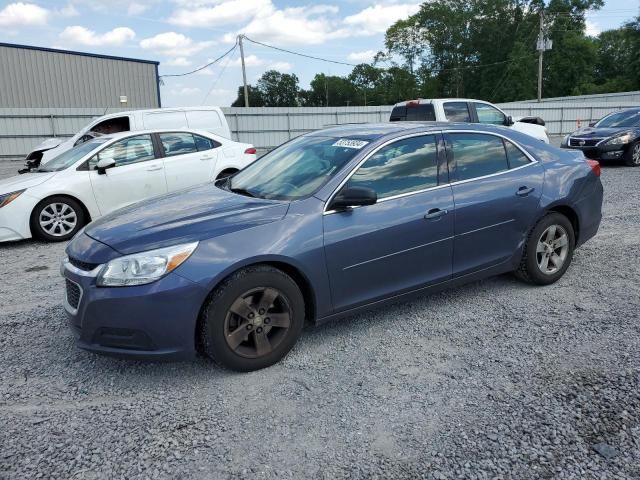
(482, 49)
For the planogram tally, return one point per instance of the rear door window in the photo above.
(177, 143)
(516, 156)
(457, 112)
(477, 155)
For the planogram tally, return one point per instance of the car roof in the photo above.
(448, 99)
(132, 133)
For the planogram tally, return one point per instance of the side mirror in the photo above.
(508, 121)
(354, 197)
(592, 124)
(104, 164)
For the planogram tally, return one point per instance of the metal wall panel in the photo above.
(31, 77)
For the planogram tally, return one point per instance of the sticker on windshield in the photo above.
(348, 143)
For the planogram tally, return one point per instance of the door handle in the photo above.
(435, 213)
(524, 191)
(154, 168)
(206, 157)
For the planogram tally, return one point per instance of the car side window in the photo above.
(177, 143)
(203, 143)
(404, 166)
(477, 155)
(488, 114)
(516, 157)
(457, 112)
(127, 151)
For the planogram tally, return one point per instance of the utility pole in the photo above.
(542, 45)
(244, 72)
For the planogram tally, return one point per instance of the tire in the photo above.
(236, 340)
(71, 219)
(632, 155)
(533, 268)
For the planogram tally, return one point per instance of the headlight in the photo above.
(144, 267)
(7, 198)
(619, 140)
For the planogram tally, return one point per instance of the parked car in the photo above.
(614, 137)
(465, 110)
(326, 225)
(110, 172)
(209, 119)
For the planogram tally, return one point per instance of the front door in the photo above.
(496, 189)
(137, 174)
(402, 242)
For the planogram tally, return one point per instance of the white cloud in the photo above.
(249, 61)
(23, 14)
(174, 44)
(210, 14)
(366, 56)
(185, 91)
(69, 10)
(593, 29)
(136, 8)
(280, 66)
(377, 18)
(83, 36)
(178, 62)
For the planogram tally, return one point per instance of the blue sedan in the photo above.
(326, 225)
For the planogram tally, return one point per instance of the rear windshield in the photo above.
(422, 112)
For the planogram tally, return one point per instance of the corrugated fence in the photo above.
(22, 129)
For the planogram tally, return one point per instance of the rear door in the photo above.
(402, 242)
(189, 159)
(138, 173)
(496, 190)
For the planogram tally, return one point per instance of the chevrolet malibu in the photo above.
(326, 225)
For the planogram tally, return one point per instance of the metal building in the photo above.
(34, 77)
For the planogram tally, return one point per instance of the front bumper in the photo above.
(150, 322)
(14, 218)
(600, 152)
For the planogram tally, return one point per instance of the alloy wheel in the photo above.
(635, 154)
(552, 249)
(58, 219)
(257, 322)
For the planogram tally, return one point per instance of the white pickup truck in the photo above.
(465, 110)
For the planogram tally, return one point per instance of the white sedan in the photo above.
(110, 172)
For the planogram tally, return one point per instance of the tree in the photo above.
(278, 89)
(406, 38)
(332, 91)
(255, 97)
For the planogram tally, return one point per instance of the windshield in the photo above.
(296, 169)
(621, 119)
(68, 158)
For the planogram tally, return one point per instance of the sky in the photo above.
(186, 34)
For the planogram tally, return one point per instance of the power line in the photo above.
(298, 53)
(217, 80)
(203, 66)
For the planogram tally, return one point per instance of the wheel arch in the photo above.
(296, 274)
(85, 210)
(229, 170)
(572, 215)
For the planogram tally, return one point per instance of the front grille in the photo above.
(588, 142)
(74, 292)
(87, 267)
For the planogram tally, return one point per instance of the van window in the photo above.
(112, 125)
(203, 119)
(165, 120)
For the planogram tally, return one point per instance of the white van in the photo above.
(209, 119)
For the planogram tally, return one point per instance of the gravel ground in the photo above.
(495, 379)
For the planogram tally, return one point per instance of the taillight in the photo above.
(595, 166)
(251, 151)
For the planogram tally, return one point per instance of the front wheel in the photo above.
(253, 319)
(57, 218)
(632, 155)
(548, 251)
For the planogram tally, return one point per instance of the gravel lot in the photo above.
(495, 379)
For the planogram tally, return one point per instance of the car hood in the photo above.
(593, 132)
(48, 144)
(27, 180)
(186, 216)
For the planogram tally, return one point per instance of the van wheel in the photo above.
(253, 319)
(57, 218)
(549, 250)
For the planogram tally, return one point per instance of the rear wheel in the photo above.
(57, 218)
(253, 319)
(632, 155)
(549, 250)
